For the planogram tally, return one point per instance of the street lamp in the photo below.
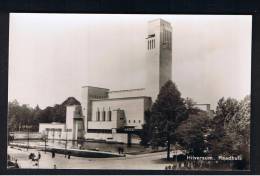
(28, 135)
(45, 137)
(66, 142)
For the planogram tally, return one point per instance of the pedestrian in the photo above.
(16, 164)
(39, 155)
(53, 154)
(33, 157)
(69, 153)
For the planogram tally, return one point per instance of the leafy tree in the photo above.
(147, 129)
(220, 143)
(231, 129)
(21, 115)
(167, 113)
(238, 129)
(190, 105)
(191, 133)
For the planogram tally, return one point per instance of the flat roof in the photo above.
(53, 123)
(126, 90)
(159, 19)
(95, 87)
(124, 98)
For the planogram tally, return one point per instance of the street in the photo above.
(139, 162)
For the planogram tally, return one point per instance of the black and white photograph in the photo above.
(129, 91)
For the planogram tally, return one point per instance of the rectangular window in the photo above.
(109, 116)
(104, 116)
(98, 116)
(163, 35)
(170, 39)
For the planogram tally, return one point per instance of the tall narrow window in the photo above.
(109, 115)
(98, 115)
(103, 115)
(148, 44)
(168, 36)
(154, 43)
(170, 39)
(163, 35)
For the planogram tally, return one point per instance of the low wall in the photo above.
(115, 137)
(24, 135)
(84, 153)
(72, 152)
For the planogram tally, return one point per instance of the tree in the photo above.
(226, 110)
(167, 113)
(220, 142)
(231, 129)
(21, 115)
(192, 132)
(147, 129)
(190, 106)
(238, 129)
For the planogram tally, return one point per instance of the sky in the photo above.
(51, 56)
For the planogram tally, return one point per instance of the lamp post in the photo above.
(28, 135)
(66, 141)
(45, 136)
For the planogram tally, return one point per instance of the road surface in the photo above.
(150, 161)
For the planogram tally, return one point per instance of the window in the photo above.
(103, 115)
(134, 121)
(109, 115)
(170, 39)
(167, 36)
(139, 121)
(129, 121)
(163, 35)
(98, 115)
(154, 43)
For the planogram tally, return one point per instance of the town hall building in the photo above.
(117, 116)
(112, 115)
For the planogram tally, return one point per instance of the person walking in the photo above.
(39, 155)
(69, 153)
(53, 154)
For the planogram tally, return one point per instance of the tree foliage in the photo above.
(21, 115)
(167, 113)
(191, 133)
(231, 128)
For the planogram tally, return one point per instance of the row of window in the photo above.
(97, 97)
(166, 38)
(101, 116)
(139, 121)
(151, 44)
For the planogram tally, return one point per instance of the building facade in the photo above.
(118, 116)
(52, 130)
(113, 115)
